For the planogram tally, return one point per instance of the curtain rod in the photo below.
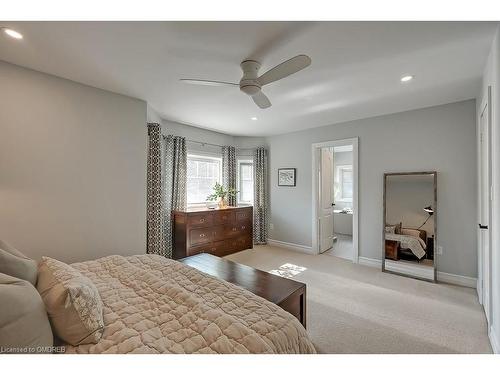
(213, 144)
(203, 143)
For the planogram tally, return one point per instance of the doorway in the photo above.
(335, 198)
(484, 234)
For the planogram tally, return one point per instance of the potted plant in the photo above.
(220, 195)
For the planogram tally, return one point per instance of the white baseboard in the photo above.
(291, 246)
(370, 262)
(469, 282)
(479, 291)
(494, 340)
(450, 278)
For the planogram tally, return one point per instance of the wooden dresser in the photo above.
(219, 232)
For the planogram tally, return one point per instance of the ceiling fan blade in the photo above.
(204, 82)
(261, 100)
(284, 69)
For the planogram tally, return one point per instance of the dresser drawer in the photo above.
(218, 233)
(244, 242)
(200, 236)
(224, 217)
(200, 220)
(232, 230)
(214, 248)
(229, 247)
(244, 215)
(245, 227)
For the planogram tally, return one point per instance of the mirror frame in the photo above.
(384, 211)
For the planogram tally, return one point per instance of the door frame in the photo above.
(481, 259)
(315, 150)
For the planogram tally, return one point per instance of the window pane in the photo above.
(202, 174)
(347, 190)
(245, 183)
(346, 175)
(246, 172)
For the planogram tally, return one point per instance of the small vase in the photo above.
(222, 203)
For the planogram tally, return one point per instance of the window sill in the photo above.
(344, 200)
(197, 205)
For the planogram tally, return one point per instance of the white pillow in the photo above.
(390, 229)
(16, 264)
(72, 301)
(24, 325)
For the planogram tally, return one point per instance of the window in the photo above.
(344, 178)
(245, 182)
(202, 174)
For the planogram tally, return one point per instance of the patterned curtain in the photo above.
(175, 183)
(156, 192)
(229, 171)
(260, 206)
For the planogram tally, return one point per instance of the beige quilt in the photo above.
(157, 305)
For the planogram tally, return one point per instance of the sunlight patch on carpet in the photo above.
(288, 270)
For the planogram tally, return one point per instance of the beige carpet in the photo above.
(359, 309)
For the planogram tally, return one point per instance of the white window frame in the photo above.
(339, 169)
(238, 177)
(201, 155)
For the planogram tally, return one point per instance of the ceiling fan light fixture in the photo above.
(407, 78)
(251, 83)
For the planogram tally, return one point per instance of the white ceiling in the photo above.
(355, 71)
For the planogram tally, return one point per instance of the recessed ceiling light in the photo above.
(253, 118)
(406, 78)
(12, 33)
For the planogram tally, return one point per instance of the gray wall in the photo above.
(406, 196)
(153, 116)
(440, 138)
(72, 168)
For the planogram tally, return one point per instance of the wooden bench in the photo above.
(290, 295)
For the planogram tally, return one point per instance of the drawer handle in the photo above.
(202, 235)
(243, 227)
(235, 229)
(202, 220)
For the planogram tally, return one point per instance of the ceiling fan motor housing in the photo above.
(249, 84)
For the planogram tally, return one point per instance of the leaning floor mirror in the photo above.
(410, 224)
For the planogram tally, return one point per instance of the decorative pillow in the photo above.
(390, 229)
(24, 325)
(410, 232)
(16, 264)
(72, 302)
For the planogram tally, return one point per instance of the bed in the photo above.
(157, 305)
(412, 240)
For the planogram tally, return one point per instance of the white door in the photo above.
(325, 199)
(484, 209)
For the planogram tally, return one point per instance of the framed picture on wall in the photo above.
(287, 176)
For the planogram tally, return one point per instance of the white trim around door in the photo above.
(315, 149)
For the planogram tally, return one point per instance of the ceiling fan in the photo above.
(251, 83)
